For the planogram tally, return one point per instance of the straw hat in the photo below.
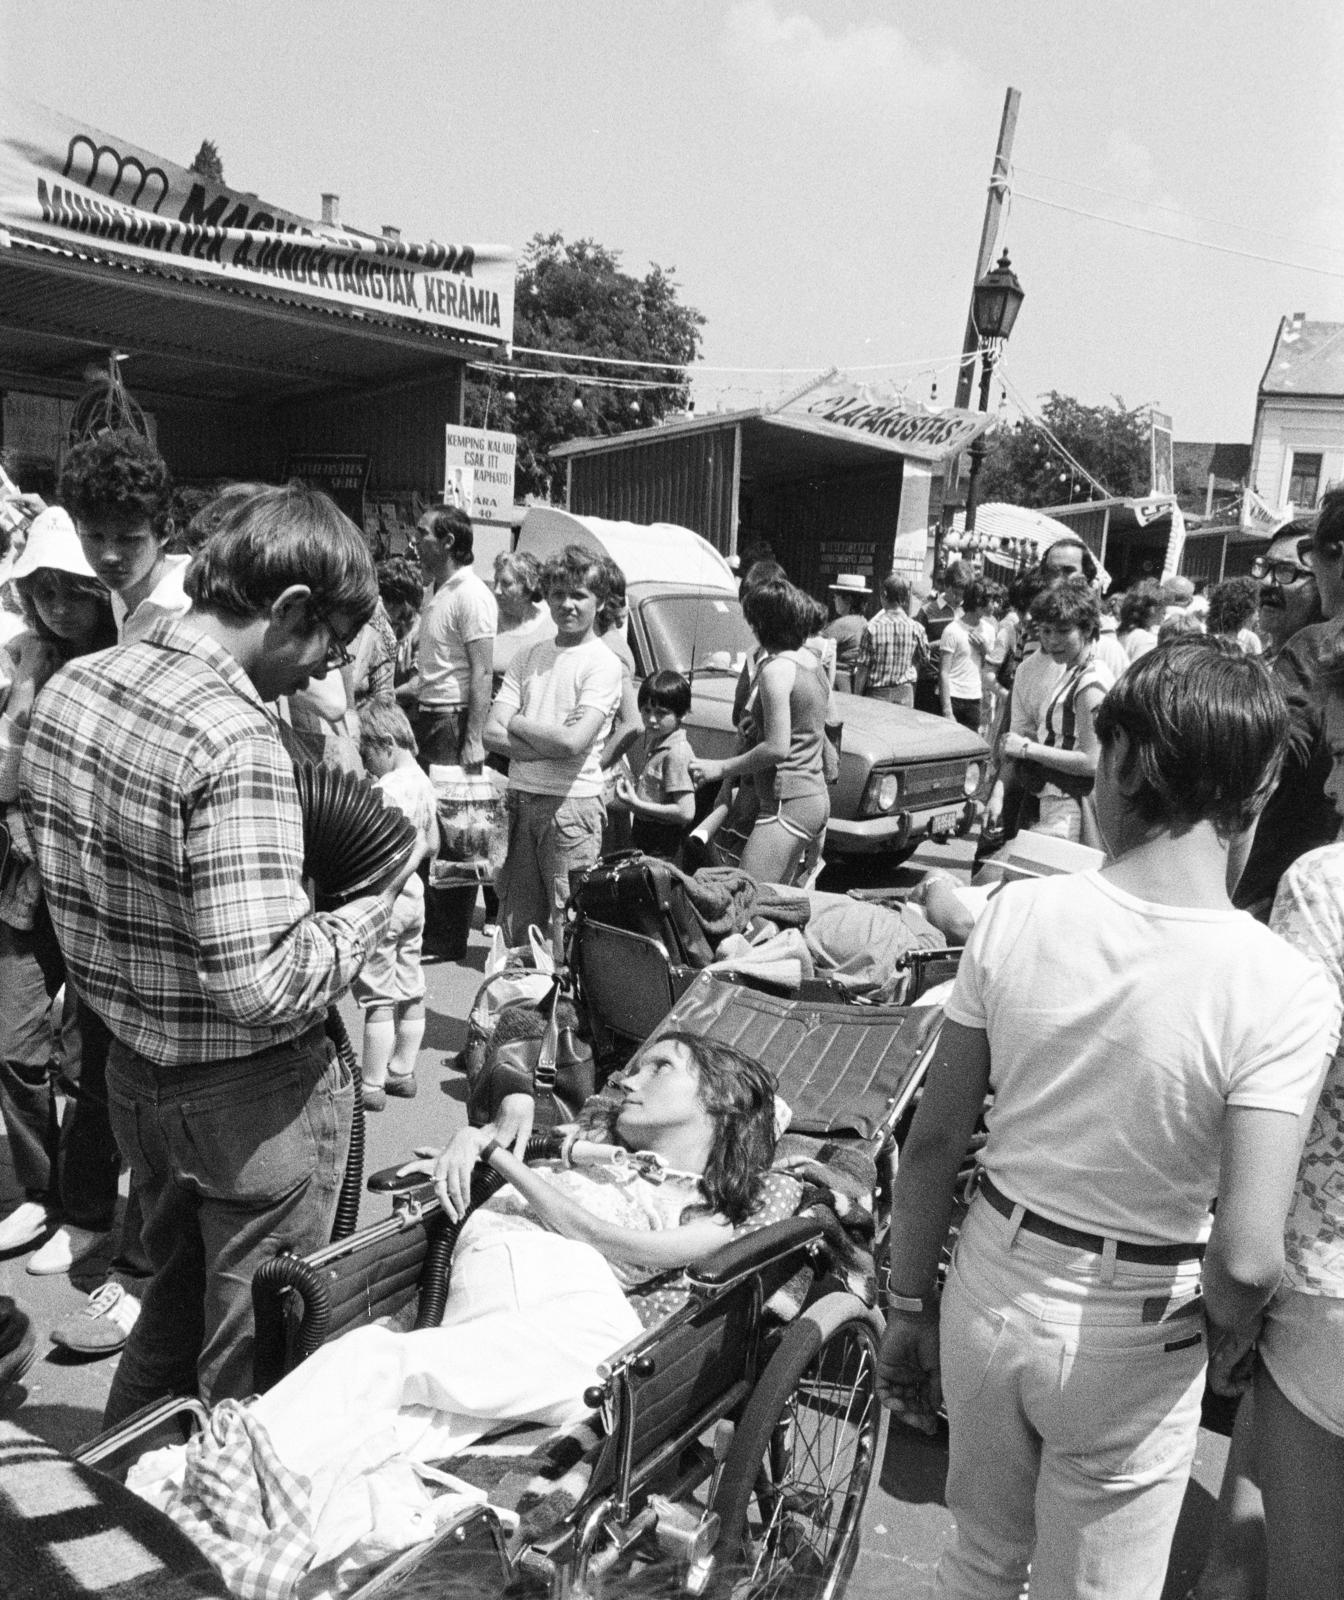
(52, 542)
(850, 583)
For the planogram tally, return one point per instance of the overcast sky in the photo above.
(814, 170)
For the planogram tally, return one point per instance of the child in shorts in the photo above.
(390, 987)
(660, 794)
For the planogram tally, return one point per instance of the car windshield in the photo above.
(702, 633)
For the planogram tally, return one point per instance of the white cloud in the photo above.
(792, 54)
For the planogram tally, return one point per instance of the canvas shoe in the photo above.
(400, 1085)
(66, 1246)
(28, 1222)
(103, 1326)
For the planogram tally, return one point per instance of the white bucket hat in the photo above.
(850, 583)
(52, 542)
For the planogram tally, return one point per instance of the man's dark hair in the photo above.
(1232, 604)
(1068, 603)
(118, 477)
(1207, 726)
(1024, 589)
(1141, 605)
(895, 592)
(779, 614)
(609, 612)
(208, 517)
(452, 526)
(665, 691)
(958, 575)
(976, 595)
(273, 538)
(1072, 541)
(577, 568)
(763, 571)
(1328, 530)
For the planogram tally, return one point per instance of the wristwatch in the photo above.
(483, 1159)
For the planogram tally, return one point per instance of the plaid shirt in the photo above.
(170, 843)
(892, 643)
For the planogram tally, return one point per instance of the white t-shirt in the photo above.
(964, 649)
(1038, 676)
(458, 613)
(1119, 1030)
(166, 599)
(547, 684)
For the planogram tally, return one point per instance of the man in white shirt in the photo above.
(457, 643)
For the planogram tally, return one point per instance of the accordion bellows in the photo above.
(352, 839)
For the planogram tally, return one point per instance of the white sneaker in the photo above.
(102, 1327)
(27, 1222)
(63, 1249)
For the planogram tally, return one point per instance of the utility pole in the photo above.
(989, 233)
(970, 344)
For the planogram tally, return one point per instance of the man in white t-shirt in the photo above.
(1147, 1047)
(457, 643)
(966, 642)
(551, 718)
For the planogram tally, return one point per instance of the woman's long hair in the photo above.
(739, 1094)
(104, 633)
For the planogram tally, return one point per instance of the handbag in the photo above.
(536, 1050)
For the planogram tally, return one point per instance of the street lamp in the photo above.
(996, 299)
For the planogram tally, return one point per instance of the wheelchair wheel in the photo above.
(797, 1474)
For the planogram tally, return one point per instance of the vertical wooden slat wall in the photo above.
(687, 480)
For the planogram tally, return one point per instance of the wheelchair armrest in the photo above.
(389, 1180)
(746, 1256)
(139, 1424)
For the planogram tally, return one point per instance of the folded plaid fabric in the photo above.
(244, 1508)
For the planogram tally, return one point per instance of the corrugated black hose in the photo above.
(347, 1206)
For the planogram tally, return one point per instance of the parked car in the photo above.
(904, 776)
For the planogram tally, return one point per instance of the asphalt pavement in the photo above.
(906, 1522)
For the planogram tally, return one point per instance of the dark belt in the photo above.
(1157, 1255)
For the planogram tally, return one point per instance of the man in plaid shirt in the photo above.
(170, 842)
(892, 647)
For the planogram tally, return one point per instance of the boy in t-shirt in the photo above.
(390, 987)
(1147, 1047)
(551, 718)
(661, 795)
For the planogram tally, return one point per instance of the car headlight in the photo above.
(971, 782)
(888, 792)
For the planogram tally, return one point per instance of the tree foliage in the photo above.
(207, 161)
(1023, 467)
(575, 297)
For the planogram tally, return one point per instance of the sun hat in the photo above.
(52, 542)
(850, 583)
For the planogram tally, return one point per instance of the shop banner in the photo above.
(343, 477)
(77, 188)
(478, 472)
(1161, 462)
(885, 417)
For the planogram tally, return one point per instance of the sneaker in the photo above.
(26, 1223)
(66, 1246)
(401, 1085)
(374, 1097)
(103, 1326)
(18, 1343)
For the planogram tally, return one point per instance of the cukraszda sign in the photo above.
(71, 185)
(909, 431)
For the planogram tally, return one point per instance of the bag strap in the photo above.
(1068, 719)
(548, 1054)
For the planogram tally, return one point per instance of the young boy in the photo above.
(551, 718)
(1148, 1047)
(661, 797)
(390, 987)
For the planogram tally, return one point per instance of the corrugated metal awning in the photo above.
(59, 310)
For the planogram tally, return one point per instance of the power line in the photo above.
(1179, 211)
(1178, 238)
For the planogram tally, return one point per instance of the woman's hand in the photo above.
(513, 1122)
(1232, 1360)
(451, 1168)
(1014, 746)
(908, 1380)
(705, 772)
(625, 792)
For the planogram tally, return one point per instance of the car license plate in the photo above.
(945, 821)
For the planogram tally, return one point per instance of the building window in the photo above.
(1304, 481)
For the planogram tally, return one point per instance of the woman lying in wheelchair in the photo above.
(537, 1297)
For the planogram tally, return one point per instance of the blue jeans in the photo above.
(234, 1161)
(1073, 1398)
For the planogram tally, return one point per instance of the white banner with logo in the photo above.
(884, 417)
(70, 185)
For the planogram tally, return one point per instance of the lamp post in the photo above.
(997, 298)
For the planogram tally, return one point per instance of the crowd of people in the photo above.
(1147, 1044)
